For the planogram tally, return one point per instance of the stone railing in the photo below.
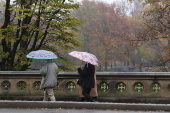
(111, 85)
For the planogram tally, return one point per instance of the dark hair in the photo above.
(88, 65)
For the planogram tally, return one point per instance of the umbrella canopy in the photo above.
(85, 56)
(41, 54)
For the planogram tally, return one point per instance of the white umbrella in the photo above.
(41, 54)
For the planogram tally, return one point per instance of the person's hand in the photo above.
(82, 67)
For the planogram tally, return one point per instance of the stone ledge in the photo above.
(83, 105)
(147, 100)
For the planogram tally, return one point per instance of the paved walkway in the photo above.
(77, 107)
(9, 110)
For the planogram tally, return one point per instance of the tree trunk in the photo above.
(169, 55)
(140, 62)
(105, 66)
(4, 42)
(115, 64)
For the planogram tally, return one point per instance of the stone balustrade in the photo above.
(111, 85)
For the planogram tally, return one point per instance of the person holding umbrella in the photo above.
(86, 80)
(87, 72)
(93, 92)
(49, 72)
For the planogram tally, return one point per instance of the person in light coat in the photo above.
(49, 74)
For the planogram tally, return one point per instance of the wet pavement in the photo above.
(9, 110)
(7, 106)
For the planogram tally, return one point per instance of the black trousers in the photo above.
(86, 93)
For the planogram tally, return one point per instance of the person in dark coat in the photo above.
(93, 92)
(86, 80)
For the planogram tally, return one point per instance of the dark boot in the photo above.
(82, 99)
(95, 99)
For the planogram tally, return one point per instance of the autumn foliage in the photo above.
(109, 31)
(138, 37)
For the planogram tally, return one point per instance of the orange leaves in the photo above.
(166, 49)
(131, 43)
(166, 2)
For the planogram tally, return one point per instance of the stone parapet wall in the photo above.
(111, 85)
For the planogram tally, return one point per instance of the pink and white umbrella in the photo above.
(85, 56)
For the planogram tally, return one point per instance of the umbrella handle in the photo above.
(81, 66)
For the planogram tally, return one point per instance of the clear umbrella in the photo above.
(41, 54)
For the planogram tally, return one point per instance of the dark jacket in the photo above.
(86, 78)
